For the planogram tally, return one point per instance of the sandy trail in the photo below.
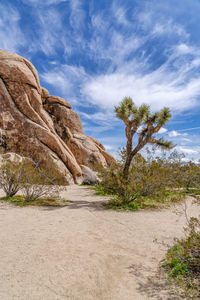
(84, 252)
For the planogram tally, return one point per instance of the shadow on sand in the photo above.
(153, 286)
(79, 204)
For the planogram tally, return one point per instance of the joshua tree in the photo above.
(140, 120)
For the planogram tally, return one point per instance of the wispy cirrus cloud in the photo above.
(161, 87)
(156, 24)
(65, 79)
(77, 15)
(43, 3)
(58, 30)
(175, 133)
(189, 151)
(11, 35)
(126, 68)
(174, 83)
(95, 54)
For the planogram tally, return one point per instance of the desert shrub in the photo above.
(182, 261)
(33, 179)
(11, 174)
(190, 175)
(145, 178)
(149, 178)
(40, 181)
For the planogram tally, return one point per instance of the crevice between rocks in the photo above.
(59, 157)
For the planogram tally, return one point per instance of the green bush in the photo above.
(39, 182)
(182, 261)
(33, 180)
(11, 174)
(150, 181)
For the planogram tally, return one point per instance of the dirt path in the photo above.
(83, 252)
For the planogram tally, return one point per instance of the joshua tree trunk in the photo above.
(127, 165)
(129, 146)
(130, 157)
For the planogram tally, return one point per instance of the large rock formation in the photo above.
(36, 124)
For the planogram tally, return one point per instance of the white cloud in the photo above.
(43, 3)
(77, 15)
(120, 14)
(122, 72)
(51, 35)
(157, 24)
(108, 147)
(109, 45)
(186, 140)
(173, 84)
(11, 36)
(162, 130)
(169, 27)
(175, 133)
(158, 88)
(65, 78)
(190, 129)
(189, 151)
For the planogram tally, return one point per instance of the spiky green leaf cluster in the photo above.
(127, 111)
(140, 115)
(163, 116)
(164, 144)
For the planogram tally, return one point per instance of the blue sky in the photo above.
(95, 52)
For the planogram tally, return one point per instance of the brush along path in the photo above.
(84, 252)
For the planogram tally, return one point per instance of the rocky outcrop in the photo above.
(13, 157)
(39, 125)
(67, 123)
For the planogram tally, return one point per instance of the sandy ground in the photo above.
(84, 252)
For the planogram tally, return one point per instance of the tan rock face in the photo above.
(13, 157)
(39, 125)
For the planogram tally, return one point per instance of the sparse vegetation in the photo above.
(182, 261)
(153, 182)
(34, 181)
(159, 201)
(134, 182)
(19, 200)
(11, 177)
(39, 182)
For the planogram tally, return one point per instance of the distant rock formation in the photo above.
(36, 123)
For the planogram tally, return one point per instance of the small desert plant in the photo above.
(11, 174)
(33, 179)
(40, 181)
(182, 261)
